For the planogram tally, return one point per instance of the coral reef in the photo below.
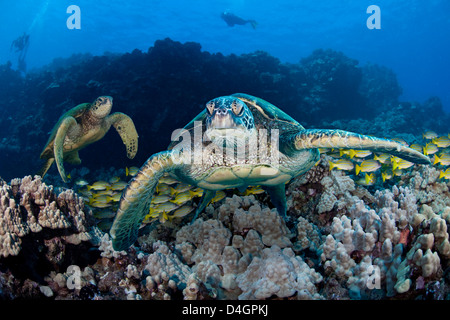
(341, 241)
(41, 229)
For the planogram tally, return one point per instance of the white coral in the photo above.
(278, 272)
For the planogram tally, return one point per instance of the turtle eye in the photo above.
(236, 107)
(210, 107)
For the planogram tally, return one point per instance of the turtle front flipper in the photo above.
(321, 138)
(136, 198)
(58, 147)
(127, 131)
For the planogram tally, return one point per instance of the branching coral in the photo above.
(43, 230)
(30, 206)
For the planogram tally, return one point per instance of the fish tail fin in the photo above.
(331, 165)
(357, 169)
(436, 159)
(253, 23)
(441, 174)
(127, 171)
(394, 165)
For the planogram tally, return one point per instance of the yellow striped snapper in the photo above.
(182, 211)
(131, 171)
(386, 175)
(197, 192)
(445, 174)
(336, 154)
(115, 197)
(163, 217)
(355, 153)
(343, 152)
(367, 180)
(152, 214)
(368, 166)
(400, 163)
(429, 135)
(254, 190)
(85, 193)
(342, 164)
(100, 204)
(383, 157)
(165, 207)
(168, 180)
(113, 180)
(118, 185)
(359, 153)
(444, 159)
(441, 142)
(417, 147)
(325, 150)
(162, 198)
(106, 192)
(430, 148)
(219, 196)
(183, 197)
(81, 182)
(181, 188)
(162, 188)
(99, 185)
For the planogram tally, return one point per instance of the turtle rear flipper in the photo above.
(321, 138)
(277, 195)
(45, 167)
(207, 196)
(136, 198)
(72, 158)
(127, 131)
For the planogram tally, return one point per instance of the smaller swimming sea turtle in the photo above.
(235, 142)
(81, 126)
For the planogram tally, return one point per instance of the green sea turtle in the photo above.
(284, 150)
(81, 126)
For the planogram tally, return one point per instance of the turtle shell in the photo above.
(265, 114)
(76, 113)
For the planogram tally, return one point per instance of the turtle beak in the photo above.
(222, 120)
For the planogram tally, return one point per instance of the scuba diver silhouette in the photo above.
(231, 19)
(21, 46)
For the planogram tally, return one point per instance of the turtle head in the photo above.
(101, 107)
(228, 119)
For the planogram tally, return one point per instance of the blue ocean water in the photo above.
(413, 39)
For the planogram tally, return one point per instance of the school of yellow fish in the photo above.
(174, 199)
(368, 166)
